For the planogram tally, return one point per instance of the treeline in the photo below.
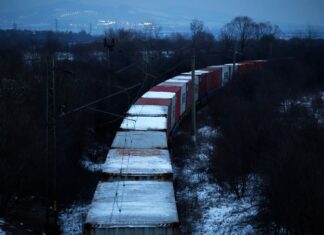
(277, 146)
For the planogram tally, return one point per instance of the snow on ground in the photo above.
(307, 102)
(91, 166)
(219, 212)
(2, 223)
(71, 219)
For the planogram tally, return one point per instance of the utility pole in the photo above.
(109, 43)
(234, 60)
(52, 207)
(90, 28)
(193, 95)
(56, 25)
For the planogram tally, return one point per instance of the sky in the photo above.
(177, 14)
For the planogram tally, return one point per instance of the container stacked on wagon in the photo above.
(136, 194)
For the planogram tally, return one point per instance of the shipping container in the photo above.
(140, 140)
(187, 84)
(148, 110)
(244, 67)
(159, 102)
(202, 78)
(133, 207)
(174, 89)
(188, 78)
(137, 164)
(230, 69)
(164, 95)
(225, 72)
(139, 123)
(214, 80)
(183, 88)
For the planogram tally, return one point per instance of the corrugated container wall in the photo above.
(188, 89)
(174, 89)
(166, 96)
(188, 78)
(214, 80)
(139, 123)
(137, 164)
(133, 207)
(140, 140)
(159, 102)
(183, 97)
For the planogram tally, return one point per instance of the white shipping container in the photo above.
(137, 163)
(140, 140)
(148, 110)
(133, 207)
(164, 95)
(138, 123)
(185, 77)
(230, 69)
(183, 85)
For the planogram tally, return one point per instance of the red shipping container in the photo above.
(202, 78)
(188, 89)
(183, 85)
(161, 102)
(174, 89)
(214, 79)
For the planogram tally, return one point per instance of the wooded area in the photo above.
(270, 135)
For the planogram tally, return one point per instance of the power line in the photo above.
(99, 100)
(109, 113)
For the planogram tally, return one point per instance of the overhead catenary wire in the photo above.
(98, 100)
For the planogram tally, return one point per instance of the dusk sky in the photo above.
(288, 14)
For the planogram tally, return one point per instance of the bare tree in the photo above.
(266, 29)
(238, 32)
(196, 27)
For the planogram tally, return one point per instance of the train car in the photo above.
(159, 102)
(187, 85)
(230, 69)
(225, 72)
(140, 140)
(151, 111)
(173, 89)
(183, 89)
(133, 207)
(140, 123)
(214, 80)
(148, 110)
(155, 98)
(137, 164)
(202, 77)
(188, 78)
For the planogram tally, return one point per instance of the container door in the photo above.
(183, 98)
(173, 110)
(196, 88)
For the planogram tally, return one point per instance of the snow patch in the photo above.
(220, 212)
(207, 132)
(2, 222)
(91, 166)
(72, 218)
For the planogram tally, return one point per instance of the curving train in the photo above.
(136, 194)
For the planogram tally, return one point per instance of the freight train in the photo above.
(136, 194)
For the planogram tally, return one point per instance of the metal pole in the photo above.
(52, 208)
(55, 206)
(234, 61)
(193, 95)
